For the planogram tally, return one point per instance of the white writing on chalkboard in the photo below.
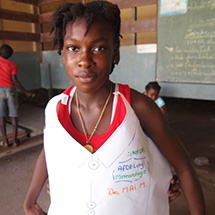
(187, 53)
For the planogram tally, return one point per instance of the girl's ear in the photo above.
(116, 57)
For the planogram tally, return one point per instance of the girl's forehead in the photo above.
(81, 21)
(153, 91)
(96, 28)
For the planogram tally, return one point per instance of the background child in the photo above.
(152, 90)
(8, 96)
(98, 158)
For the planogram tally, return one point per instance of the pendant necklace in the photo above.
(88, 146)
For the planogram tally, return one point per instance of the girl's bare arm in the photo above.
(38, 179)
(153, 122)
(164, 111)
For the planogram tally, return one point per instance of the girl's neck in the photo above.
(96, 99)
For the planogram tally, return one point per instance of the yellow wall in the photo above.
(145, 12)
(49, 8)
(9, 25)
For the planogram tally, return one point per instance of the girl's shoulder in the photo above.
(125, 90)
(146, 111)
(63, 97)
(54, 100)
(142, 105)
(137, 100)
(140, 100)
(68, 91)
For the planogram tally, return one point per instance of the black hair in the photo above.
(6, 51)
(153, 85)
(69, 12)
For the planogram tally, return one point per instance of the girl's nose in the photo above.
(86, 60)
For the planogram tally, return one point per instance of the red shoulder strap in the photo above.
(125, 90)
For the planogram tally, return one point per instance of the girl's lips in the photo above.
(85, 76)
(86, 79)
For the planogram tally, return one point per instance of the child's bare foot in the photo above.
(16, 143)
(5, 145)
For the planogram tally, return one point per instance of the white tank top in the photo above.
(127, 175)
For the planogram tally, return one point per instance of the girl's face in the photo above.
(152, 93)
(89, 58)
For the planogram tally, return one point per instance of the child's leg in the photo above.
(14, 122)
(13, 108)
(3, 114)
(3, 131)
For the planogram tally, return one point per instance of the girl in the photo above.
(152, 90)
(98, 159)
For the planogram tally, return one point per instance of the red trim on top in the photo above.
(97, 140)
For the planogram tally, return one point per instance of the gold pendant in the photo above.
(89, 148)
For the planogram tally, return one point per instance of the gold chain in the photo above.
(100, 117)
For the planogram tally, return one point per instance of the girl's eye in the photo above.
(72, 49)
(98, 49)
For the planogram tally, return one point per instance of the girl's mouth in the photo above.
(86, 79)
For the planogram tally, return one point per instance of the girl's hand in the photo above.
(34, 210)
(174, 187)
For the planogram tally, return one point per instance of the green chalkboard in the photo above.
(186, 42)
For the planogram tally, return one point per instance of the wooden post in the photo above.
(134, 18)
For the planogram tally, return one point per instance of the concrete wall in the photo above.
(28, 64)
(135, 69)
(53, 71)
